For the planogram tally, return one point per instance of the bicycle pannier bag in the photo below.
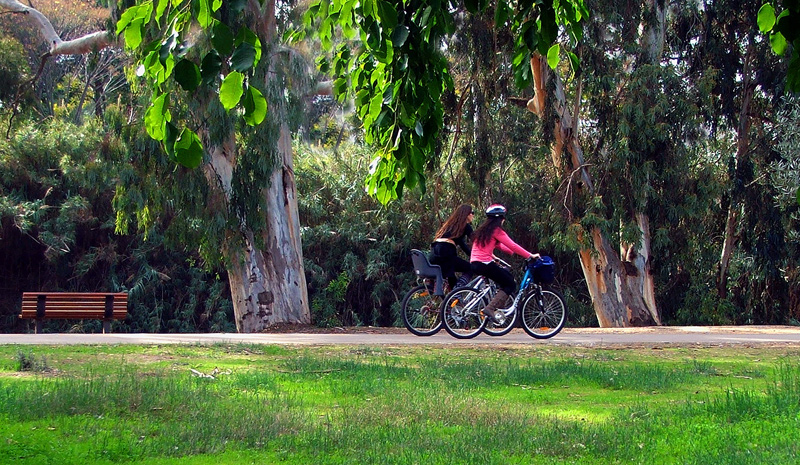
(544, 270)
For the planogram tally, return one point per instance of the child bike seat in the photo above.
(424, 269)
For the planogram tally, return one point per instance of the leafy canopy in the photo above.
(784, 29)
(224, 69)
(396, 73)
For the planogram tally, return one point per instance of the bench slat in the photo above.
(73, 316)
(31, 296)
(77, 305)
(74, 306)
(77, 294)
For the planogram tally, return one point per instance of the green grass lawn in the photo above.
(249, 404)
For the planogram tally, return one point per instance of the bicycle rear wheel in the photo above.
(421, 311)
(461, 312)
(544, 313)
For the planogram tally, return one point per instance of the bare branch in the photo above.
(81, 45)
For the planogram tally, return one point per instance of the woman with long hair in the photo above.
(455, 231)
(489, 236)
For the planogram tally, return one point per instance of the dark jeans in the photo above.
(501, 276)
(446, 256)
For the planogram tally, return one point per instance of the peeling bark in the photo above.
(621, 285)
(268, 284)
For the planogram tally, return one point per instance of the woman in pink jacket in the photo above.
(490, 235)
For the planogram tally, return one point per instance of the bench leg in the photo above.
(106, 326)
(39, 323)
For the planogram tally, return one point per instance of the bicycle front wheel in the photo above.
(544, 313)
(421, 311)
(461, 312)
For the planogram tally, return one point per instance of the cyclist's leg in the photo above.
(501, 277)
(462, 266)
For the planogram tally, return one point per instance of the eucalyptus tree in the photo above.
(200, 77)
(628, 138)
(221, 85)
(785, 178)
(399, 69)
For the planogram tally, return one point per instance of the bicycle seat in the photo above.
(424, 269)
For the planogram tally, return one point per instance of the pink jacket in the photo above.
(499, 240)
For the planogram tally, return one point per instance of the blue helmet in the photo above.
(496, 211)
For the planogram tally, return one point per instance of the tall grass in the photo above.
(379, 406)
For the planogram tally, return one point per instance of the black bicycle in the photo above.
(421, 307)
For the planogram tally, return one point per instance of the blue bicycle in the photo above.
(542, 310)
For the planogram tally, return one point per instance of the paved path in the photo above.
(587, 337)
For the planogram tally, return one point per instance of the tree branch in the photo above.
(81, 45)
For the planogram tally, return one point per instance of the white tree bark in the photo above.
(82, 45)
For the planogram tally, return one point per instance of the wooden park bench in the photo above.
(104, 306)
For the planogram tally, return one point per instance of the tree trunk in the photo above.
(267, 276)
(742, 147)
(621, 285)
(268, 285)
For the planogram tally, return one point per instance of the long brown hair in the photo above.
(485, 230)
(457, 222)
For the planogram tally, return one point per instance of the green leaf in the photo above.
(140, 14)
(230, 92)
(798, 196)
(375, 106)
(161, 6)
(778, 43)
(530, 35)
(548, 29)
(501, 14)
(133, 35)
(788, 24)
(156, 117)
(204, 16)
(766, 17)
(575, 62)
(793, 73)
(245, 35)
(188, 149)
(399, 36)
(552, 56)
(170, 135)
(222, 39)
(388, 14)
(255, 107)
(210, 67)
(472, 5)
(187, 74)
(243, 57)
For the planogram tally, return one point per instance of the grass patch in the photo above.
(332, 405)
